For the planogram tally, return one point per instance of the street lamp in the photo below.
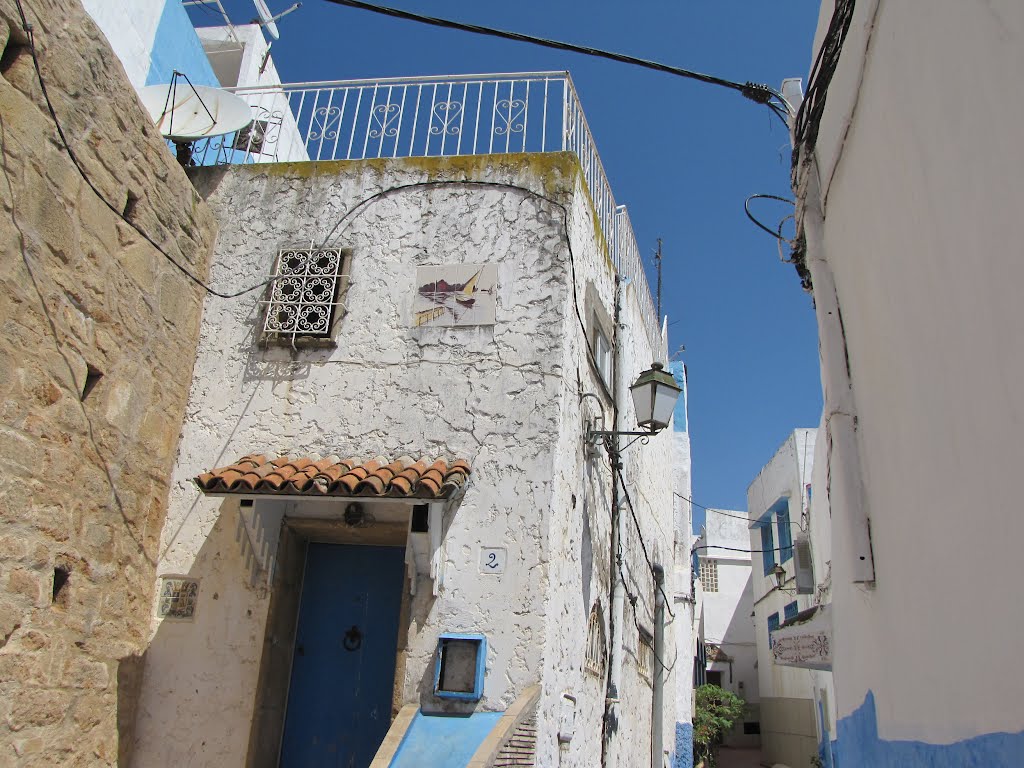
(654, 398)
(779, 574)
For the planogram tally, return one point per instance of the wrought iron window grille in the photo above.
(305, 293)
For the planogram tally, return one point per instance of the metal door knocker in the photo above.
(353, 639)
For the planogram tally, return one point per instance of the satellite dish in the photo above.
(267, 19)
(185, 112)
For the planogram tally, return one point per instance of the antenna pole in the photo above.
(657, 266)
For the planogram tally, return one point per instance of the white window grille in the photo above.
(304, 296)
(709, 574)
(594, 661)
(644, 652)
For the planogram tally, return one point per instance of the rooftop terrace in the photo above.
(449, 115)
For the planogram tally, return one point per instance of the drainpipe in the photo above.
(840, 413)
(658, 699)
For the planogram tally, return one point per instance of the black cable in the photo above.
(640, 538)
(747, 551)
(756, 92)
(81, 171)
(712, 509)
(746, 208)
(337, 229)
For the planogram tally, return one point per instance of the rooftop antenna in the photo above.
(268, 20)
(185, 113)
(657, 266)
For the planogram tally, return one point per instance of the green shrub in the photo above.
(716, 712)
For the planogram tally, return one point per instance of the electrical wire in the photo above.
(348, 215)
(29, 31)
(640, 538)
(710, 509)
(335, 230)
(756, 92)
(746, 551)
(777, 233)
(342, 224)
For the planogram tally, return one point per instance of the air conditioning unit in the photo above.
(804, 566)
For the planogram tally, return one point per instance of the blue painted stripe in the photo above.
(176, 46)
(683, 757)
(857, 744)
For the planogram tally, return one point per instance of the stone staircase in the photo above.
(520, 747)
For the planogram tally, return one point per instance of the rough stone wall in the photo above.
(83, 480)
(490, 394)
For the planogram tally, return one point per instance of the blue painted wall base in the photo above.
(857, 744)
(443, 741)
(683, 757)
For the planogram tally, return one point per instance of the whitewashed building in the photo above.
(393, 469)
(403, 528)
(724, 568)
(908, 188)
(794, 730)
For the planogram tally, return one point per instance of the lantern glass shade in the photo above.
(654, 398)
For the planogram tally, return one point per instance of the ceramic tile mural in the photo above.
(178, 598)
(455, 294)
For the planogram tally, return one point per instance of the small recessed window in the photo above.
(92, 378)
(644, 653)
(61, 574)
(460, 666)
(420, 518)
(752, 728)
(594, 661)
(603, 356)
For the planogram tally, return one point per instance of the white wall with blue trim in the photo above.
(152, 38)
(916, 244)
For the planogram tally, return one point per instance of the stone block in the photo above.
(22, 581)
(33, 707)
(80, 672)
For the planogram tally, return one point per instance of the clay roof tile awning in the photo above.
(404, 477)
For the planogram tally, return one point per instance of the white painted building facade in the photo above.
(909, 200)
(724, 568)
(505, 397)
(778, 502)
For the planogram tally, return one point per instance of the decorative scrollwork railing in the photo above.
(436, 117)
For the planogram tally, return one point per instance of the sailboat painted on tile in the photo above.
(457, 294)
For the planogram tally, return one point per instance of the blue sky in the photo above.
(681, 155)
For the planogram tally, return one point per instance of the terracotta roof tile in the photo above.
(404, 477)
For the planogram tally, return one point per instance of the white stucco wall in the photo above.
(130, 27)
(727, 611)
(922, 175)
(504, 397)
(786, 475)
(254, 80)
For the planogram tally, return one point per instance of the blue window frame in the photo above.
(785, 534)
(467, 652)
(790, 610)
(773, 624)
(767, 545)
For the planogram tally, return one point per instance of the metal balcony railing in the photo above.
(435, 117)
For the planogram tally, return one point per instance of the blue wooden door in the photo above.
(343, 670)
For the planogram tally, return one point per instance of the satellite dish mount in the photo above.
(185, 113)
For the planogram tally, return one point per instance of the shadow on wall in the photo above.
(739, 642)
(858, 744)
(188, 683)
